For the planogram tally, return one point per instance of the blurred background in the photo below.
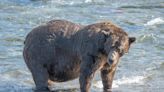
(142, 70)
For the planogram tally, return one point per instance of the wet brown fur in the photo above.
(61, 50)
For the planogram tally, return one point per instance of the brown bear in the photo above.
(60, 51)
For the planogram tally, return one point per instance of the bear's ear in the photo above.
(131, 40)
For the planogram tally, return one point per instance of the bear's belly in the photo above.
(64, 66)
(64, 76)
(66, 70)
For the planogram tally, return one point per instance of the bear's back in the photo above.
(51, 31)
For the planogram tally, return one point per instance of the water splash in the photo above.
(155, 22)
(123, 81)
(93, 1)
(88, 1)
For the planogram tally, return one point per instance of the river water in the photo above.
(142, 70)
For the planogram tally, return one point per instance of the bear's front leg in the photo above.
(86, 73)
(107, 75)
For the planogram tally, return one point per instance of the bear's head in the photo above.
(116, 43)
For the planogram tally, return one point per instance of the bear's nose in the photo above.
(110, 61)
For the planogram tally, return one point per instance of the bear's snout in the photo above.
(113, 57)
(110, 61)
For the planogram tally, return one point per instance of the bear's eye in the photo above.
(121, 52)
(118, 50)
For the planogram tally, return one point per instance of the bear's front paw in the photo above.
(46, 89)
(108, 90)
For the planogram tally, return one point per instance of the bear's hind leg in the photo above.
(40, 76)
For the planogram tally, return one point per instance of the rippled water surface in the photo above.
(142, 70)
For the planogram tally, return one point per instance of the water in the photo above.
(139, 71)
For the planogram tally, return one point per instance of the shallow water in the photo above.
(139, 71)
